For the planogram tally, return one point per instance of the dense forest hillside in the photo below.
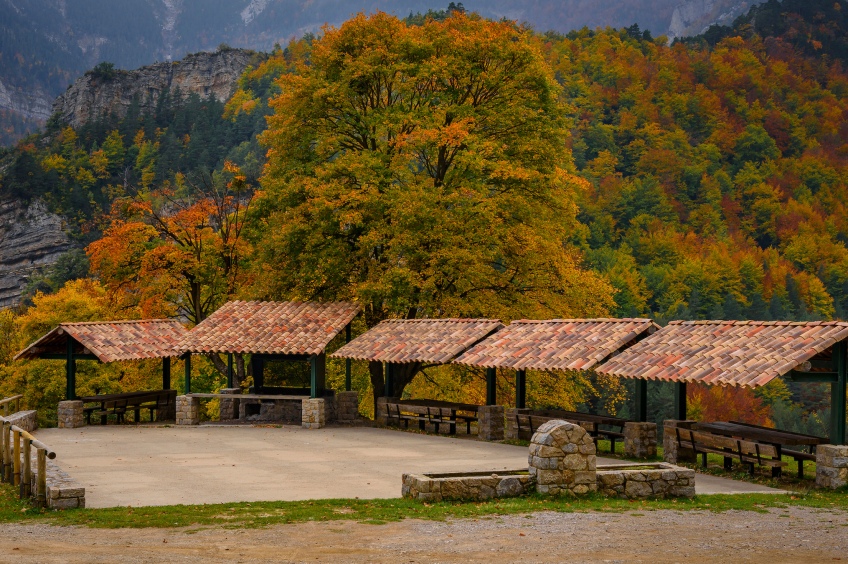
(46, 44)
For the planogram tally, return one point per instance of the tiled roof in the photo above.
(556, 344)
(112, 340)
(302, 328)
(418, 340)
(738, 353)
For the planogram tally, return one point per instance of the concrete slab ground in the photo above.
(138, 466)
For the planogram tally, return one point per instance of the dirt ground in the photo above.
(781, 535)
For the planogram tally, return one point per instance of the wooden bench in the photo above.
(405, 414)
(433, 412)
(747, 452)
(588, 421)
(800, 457)
(119, 404)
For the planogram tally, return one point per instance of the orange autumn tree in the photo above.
(726, 403)
(178, 249)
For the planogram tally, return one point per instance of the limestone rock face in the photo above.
(31, 238)
(209, 75)
(696, 16)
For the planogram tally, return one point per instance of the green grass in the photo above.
(260, 514)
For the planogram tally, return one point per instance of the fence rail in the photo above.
(6, 403)
(16, 445)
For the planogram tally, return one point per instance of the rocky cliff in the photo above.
(207, 74)
(696, 16)
(31, 238)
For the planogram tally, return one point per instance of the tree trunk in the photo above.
(402, 375)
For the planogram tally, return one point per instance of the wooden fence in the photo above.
(16, 445)
(6, 403)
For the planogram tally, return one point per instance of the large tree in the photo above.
(422, 171)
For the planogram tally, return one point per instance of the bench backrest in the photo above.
(739, 446)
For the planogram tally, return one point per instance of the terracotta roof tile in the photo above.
(418, 340)
(111, 341)
(736, 353)
(557, 344)
(302, 328)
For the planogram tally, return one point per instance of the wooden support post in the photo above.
(230, 370)
(41, 478)
(257, 367)
(641, 400)
(166, 373)
(348, 371)
(838, 392)
(491, 386)
(3, 462)
(187, 373)
(70, 371)
(16, 458)
(520, 389)
(7, 452)
(26, 481)
(318, 375)
(680, 401)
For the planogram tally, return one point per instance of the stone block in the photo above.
(229, 408)
(671, 453)
(70, 414)
(188, 410)
(490, 422)
(640, 439)
(831, 466)
(562, 459)
(510, 426)
(380, 410)
(26, 420)
(347, 406)
(314, 414)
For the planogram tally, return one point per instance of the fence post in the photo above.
(2, 451)
(41, 488)
(26, 482)
(7, 451)
(16, 458)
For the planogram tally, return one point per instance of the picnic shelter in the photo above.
(742, 353)
(273, 332)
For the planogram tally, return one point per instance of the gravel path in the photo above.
(782, 535)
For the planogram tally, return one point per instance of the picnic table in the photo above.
(434, 412)
(589, 421)
(120, 404)
(776, 438)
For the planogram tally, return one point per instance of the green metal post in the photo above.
(491, 386)
(188, 373)
(520, 389)
(388, 376)
(679, 401)
(317, 365)
(641, 398)
(71, 372)
(348, 377)
(229, 370)
(837, 394)
(166, 373)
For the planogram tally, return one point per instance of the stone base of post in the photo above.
(380, 411)
(188, 410)
(314, 414)
(229, 408)
(831, 466)
(70, 414)
(671, 453)
(640, 439)
(490, 422)
(347, 407)
(511, 427)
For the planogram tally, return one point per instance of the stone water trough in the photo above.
(562, 460)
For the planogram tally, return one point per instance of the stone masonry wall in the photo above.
(659, 481)
(70, 414)
(314, 413)
(347, 407)
(671, 454)
(510, 428)
(490, 422)
(228, 408)
(640, 440)
(562, 459)
(472, 486)
(380, 410)
(188, 410)
(26, 420)
(831, 466)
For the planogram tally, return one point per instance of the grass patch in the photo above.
(261, 514)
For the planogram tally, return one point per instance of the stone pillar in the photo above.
(188, 410)
(640, 440)
(671, 453)
(70, 414)
(380, 409)
(347, 407)
(490, 422)
(313, 414)
(511, 429)
(831, 466)
(562, 459)
(229, 408)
